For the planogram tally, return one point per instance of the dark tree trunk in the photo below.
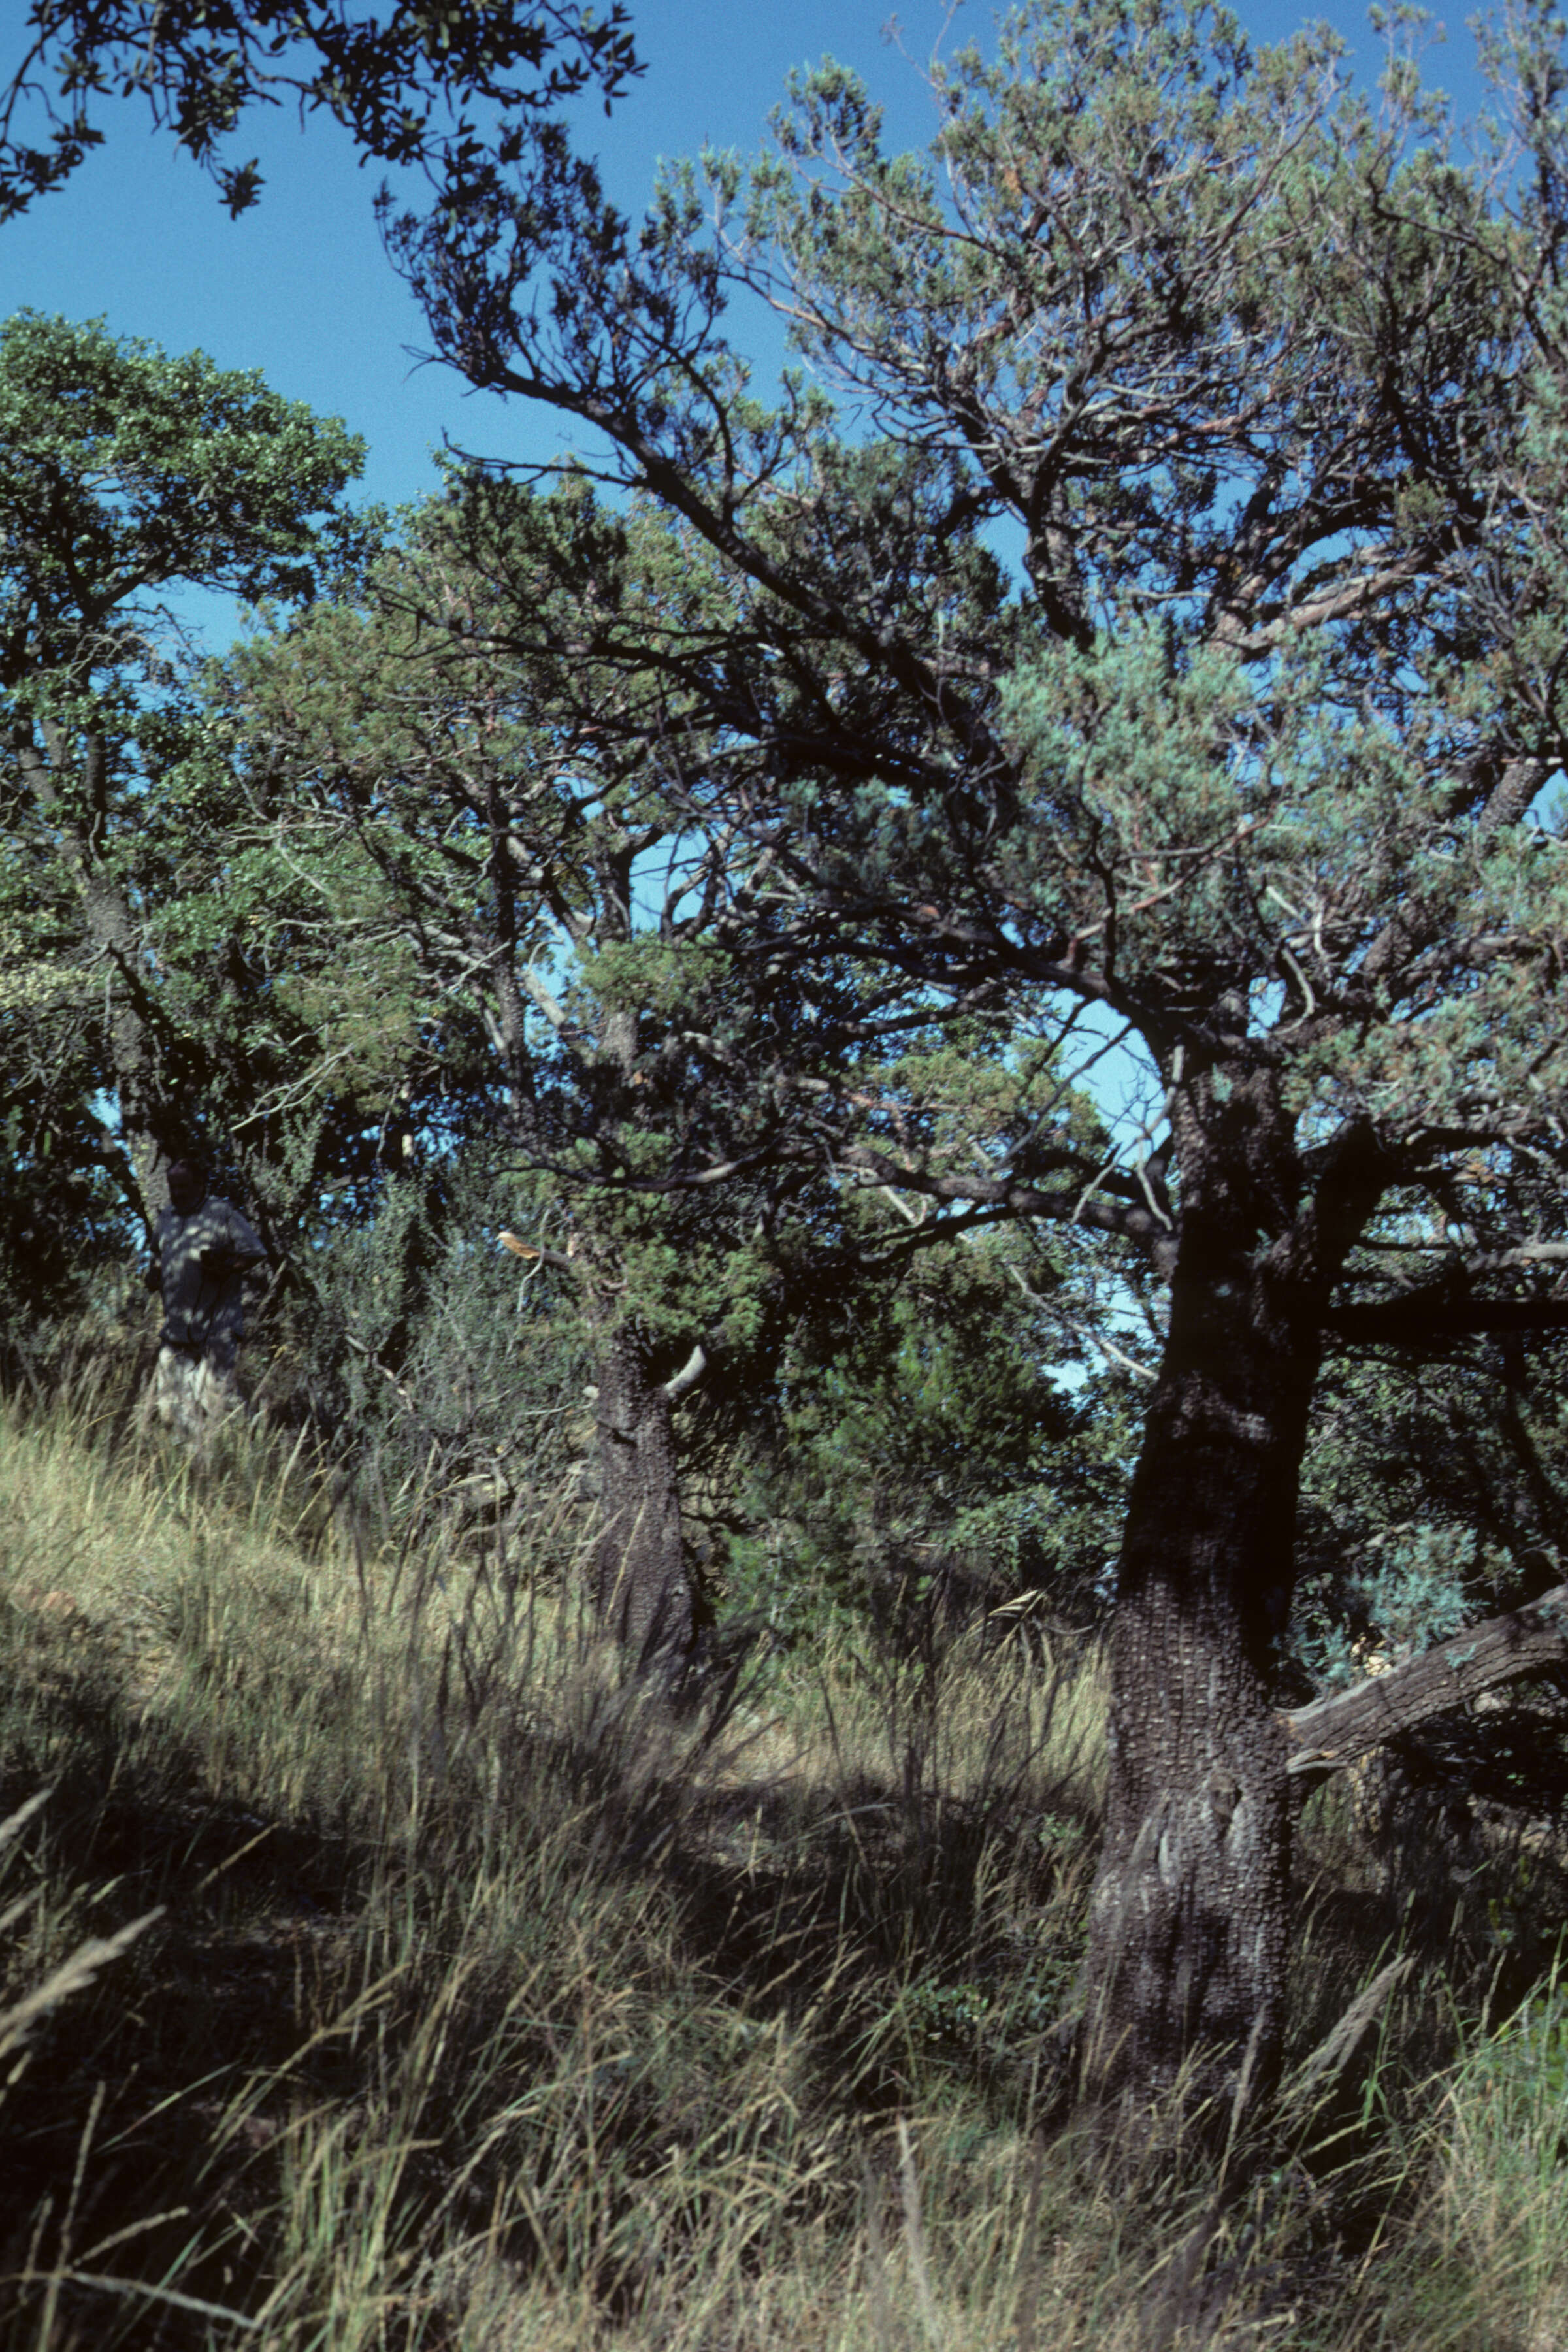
(1188, 1941)
(1185, 1974)
(641, 1589)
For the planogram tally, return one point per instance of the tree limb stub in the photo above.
(689, 1375)
(1331, 1732)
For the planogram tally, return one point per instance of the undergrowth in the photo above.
(383, 1965)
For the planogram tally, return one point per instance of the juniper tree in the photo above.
(521, 812)
(1261, 386)
(477, 808)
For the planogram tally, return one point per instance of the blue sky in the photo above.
(301, 289)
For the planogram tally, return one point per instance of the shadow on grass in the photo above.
(285, 1991)
(121, 2109)
(561, 1981)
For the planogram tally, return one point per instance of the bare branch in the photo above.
(1331, 1732)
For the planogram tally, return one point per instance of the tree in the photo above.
(507, 838)
(401, 81)
(1267, 389)
(516, 806)
(125, 475)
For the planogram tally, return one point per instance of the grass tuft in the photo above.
(383, 1965)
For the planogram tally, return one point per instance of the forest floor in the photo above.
(382, 1966)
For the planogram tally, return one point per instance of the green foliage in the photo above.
(433, 1368)
(402, 83)
(937, 1446)
(1201, 760)
(449, 734)
(125, 471)
(1433, 1496)
(1242, 754)
(148, 1007)
(65, 1238)
(1410, 1587)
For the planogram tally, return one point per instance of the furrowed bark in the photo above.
(1185, 1973)
(1184, 1976)
(641, 1589)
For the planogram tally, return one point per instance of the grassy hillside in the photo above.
(380, 1966)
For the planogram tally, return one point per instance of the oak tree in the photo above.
(126, 477)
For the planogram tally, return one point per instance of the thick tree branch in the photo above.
(1332, 1732)
(1425, 1317)
(1135, 1220)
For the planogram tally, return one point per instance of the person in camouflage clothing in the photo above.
(205, 1250)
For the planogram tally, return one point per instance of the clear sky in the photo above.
(299, 287)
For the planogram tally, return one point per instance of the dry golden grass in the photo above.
(381, 1965)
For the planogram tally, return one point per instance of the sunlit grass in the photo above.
(381, 1965)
